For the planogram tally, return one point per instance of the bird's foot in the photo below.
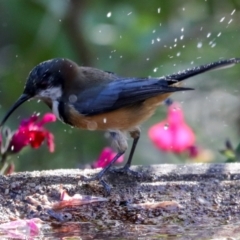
(126, 170)
(98, 178)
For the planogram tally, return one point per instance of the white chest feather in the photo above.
(55, 110)
(53, 93)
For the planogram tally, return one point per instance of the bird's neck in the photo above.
(48, 102)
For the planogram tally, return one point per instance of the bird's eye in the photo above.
(43, 84)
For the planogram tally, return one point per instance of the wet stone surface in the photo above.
(167, 195)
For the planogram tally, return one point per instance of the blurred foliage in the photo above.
(131, 38)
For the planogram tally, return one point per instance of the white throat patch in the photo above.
(54, 94)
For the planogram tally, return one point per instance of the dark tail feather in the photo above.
(201, 69)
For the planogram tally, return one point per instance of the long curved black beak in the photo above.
(23, 98)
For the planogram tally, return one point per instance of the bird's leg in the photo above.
(99, 176)
(135, 134)
(120, 141)
(104, 170)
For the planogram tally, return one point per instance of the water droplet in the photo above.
(147, 59)
(72, 98)
(129, 13)
(230, 21)
(199, 45)
(166, 126)
(182, 29)
(152, 41)
(109, 14)
(60, 20)
(208, 35)
(233, 11)
(92, 125)
(181, 38)
(159, 10)
(213, 45)
(104, 120)
(154, 31)
(219, 34)
(175, 40)
(155, 69)
(222, 19)
(183, 9)
(158, 39)
(178, 54)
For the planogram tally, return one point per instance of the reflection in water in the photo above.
(117, 230)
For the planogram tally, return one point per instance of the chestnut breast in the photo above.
(125, 118)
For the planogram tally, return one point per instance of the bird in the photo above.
(93, 99)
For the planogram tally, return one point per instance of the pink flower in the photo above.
(198, 154)
(105, 158)
(172, 134)
(22, 229)
(31, 132)
(75, 200)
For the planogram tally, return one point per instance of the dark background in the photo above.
(131, 38)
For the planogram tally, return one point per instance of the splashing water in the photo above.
(199, 45)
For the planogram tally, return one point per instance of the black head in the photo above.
(44, 76)
(44, 82)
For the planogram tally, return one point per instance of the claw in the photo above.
(128, 171)
(98, 178)
(106, 187)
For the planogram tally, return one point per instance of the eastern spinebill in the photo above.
(92, 99)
